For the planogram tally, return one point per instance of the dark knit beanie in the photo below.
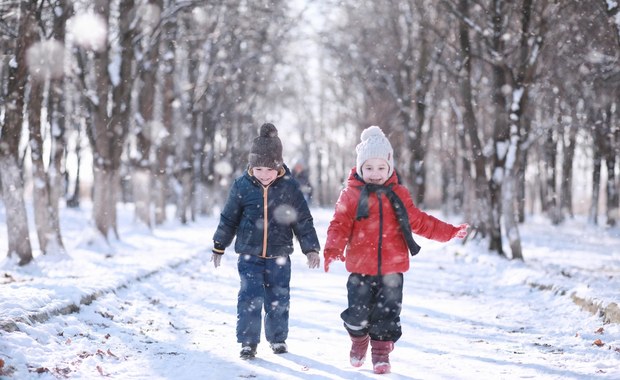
(267, 148)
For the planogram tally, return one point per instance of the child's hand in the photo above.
(462, 231)
(313, 259)
(216, 258)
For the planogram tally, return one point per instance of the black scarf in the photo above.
(397, 205)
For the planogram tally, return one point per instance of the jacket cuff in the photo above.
(218, 248)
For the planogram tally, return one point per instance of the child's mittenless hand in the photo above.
(216, 258)
(330, 257)
(313, 259)
(462, 231)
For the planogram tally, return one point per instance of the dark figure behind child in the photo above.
(302, 176)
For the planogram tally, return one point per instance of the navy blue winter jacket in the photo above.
(282, 204)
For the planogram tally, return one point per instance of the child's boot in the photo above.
(381, 355)
(359, 346)
(279, 348)
(248, 351)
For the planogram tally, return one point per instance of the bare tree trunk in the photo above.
(483, 211)
(509, 198)
(510, 217)
(466, 186)
(449, 197)
(106, 184)
(597, 156)
(101, 137)
(187, 170)
(45, 207)
(596, 185)
(609, 154)
(17, 219)
(141, 185)
(48, 242)
(190, 186)
(501, 132)
(109, 131)
(549, 171)
(57, 121)
(612, 192)
(169, 32)
(417, 143)
(10, 132)
(143, 179)
(185, 199)
(520, 191)
(566, 185)
(74, 201)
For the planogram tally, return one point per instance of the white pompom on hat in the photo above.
(374, 144)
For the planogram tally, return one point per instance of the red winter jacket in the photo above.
(368, 253)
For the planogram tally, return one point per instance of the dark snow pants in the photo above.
(374, 308)
(264, 283)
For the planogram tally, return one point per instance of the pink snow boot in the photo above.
(381, 355)
(359, 346)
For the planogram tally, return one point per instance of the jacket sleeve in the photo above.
(304, 225)
(229, 220)
(341, 226)
(426, 225)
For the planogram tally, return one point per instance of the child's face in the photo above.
(375, 171)
(264, 174)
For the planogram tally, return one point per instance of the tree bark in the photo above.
(566, 186)
(483, 211)
(101, 137)
(48, 239)
(10, 172)
(110, 130)
(146, 129)
(501, 133)
(167, 41)
(609, 155)
(57, 121)
(597, 156)
(549, 171)
(510, 217)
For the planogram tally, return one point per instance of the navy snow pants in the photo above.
(374, 308)
(264, 284)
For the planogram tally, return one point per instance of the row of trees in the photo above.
(504, 94)
(156, 87)
(489, 104)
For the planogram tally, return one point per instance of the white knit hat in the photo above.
(374, 144)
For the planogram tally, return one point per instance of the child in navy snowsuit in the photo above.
(371, 232)
(264, 209)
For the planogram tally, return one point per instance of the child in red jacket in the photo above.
(373, 220)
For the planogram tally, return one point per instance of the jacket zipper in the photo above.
(379, 253)
(265, 224)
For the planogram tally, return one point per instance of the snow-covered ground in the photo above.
(161, 311)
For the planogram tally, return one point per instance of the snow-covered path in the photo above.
(179, 324)
(466, 315)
